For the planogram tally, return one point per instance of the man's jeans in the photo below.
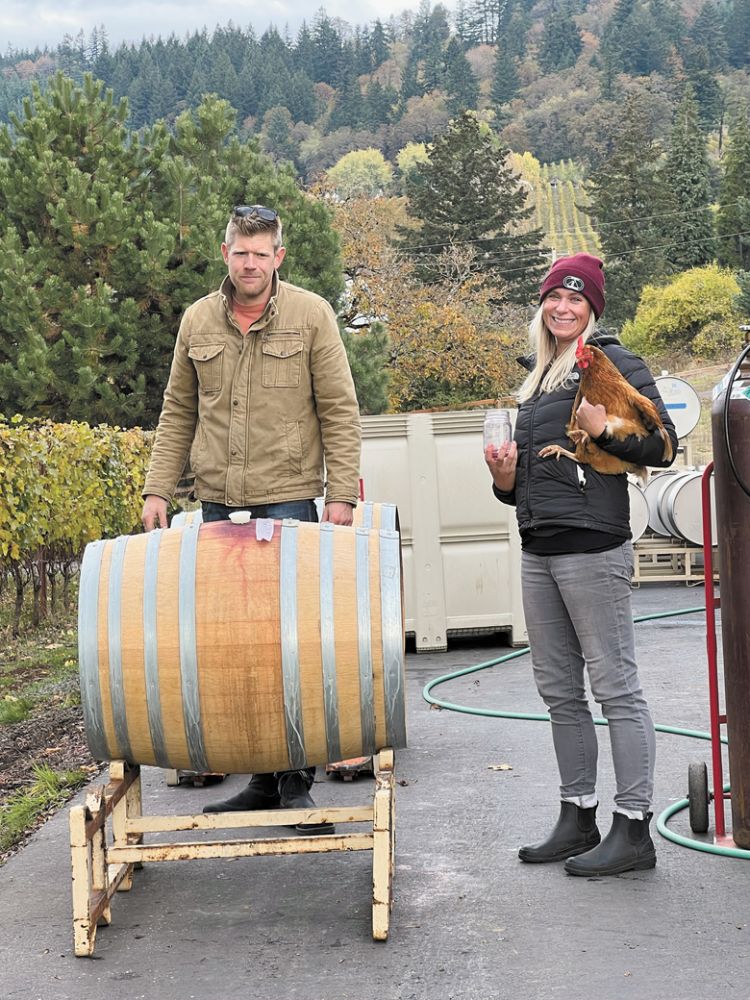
(301, 510)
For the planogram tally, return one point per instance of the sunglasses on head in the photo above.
(247, 211)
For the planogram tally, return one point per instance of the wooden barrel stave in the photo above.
(243, 689)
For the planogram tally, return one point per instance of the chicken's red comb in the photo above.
(583, 358)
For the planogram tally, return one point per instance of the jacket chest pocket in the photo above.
(207, 360)
(282, 362)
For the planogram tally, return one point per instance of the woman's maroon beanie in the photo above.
(580, 273)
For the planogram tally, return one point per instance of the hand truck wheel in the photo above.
(698, 796)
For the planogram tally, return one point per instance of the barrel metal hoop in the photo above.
(151, 648)
(328, 643)
(290, 667)
(189, 650)
(367, 513)
(388, 517)
(392, 631)
(114, 637)
(88, 650)
(364, 633)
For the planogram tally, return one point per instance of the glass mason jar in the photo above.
(497, 428)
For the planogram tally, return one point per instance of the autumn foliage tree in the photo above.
(696, 314)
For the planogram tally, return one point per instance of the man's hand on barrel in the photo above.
(338, 512)
(154, 513)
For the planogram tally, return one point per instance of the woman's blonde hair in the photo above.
(550, 372)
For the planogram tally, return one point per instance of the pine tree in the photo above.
(688, 225)
(733, 217)
(709, 31)
(379, 45)
(505, 80)
(328, 53)
(738, 27)
(624, 199)
(459, 82)
(369, 356)
(561, 42)
(467, 195)
(705, 84)
(107, 235)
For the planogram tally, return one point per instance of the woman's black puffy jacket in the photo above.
(562, 492)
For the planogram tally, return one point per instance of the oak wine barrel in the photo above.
(204, 648)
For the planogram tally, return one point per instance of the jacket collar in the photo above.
(226, 290)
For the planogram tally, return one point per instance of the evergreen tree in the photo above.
(505, 80)
(410, 83)
(431, 30)
(561, 42)
(705, 85)
(624, 200)
(369, 358)
(733, 217)
(248, 88)
(106, 236)
(688, 224)
(301, 98)
(276, 138)
(328, 54)
(514, 37)
(380, 49)
(349, 109)
(304, 52)
(379, 104)
(486, 20)
(709, 32)
(459, 82)
(738, 27)
(465, 194)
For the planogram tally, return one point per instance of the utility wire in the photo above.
(566, 232)
(612, 256)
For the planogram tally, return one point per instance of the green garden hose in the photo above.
(663, 819)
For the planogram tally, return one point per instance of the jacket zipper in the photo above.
(529, 456)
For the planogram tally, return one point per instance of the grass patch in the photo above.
(39, 666)
(14, 709)
(24, 807)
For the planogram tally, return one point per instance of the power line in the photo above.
(627, 253)
(567, 232)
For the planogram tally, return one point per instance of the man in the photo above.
(260, 398)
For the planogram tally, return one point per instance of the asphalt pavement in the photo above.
(469, 921)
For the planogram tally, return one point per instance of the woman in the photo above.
(577, 565)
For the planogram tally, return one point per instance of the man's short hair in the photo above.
(250, 224)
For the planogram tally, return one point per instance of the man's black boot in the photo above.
(627, 847)
(262, 792)
(575, 832)
(294, 789)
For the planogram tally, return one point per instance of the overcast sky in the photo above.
(25, 24)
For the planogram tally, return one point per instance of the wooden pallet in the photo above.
(666, 560)
(107, 843)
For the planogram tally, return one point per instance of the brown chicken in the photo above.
(628, 412)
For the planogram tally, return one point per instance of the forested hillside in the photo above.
(551, 75)
(428, 168)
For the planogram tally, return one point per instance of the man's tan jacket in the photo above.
(259, 414)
